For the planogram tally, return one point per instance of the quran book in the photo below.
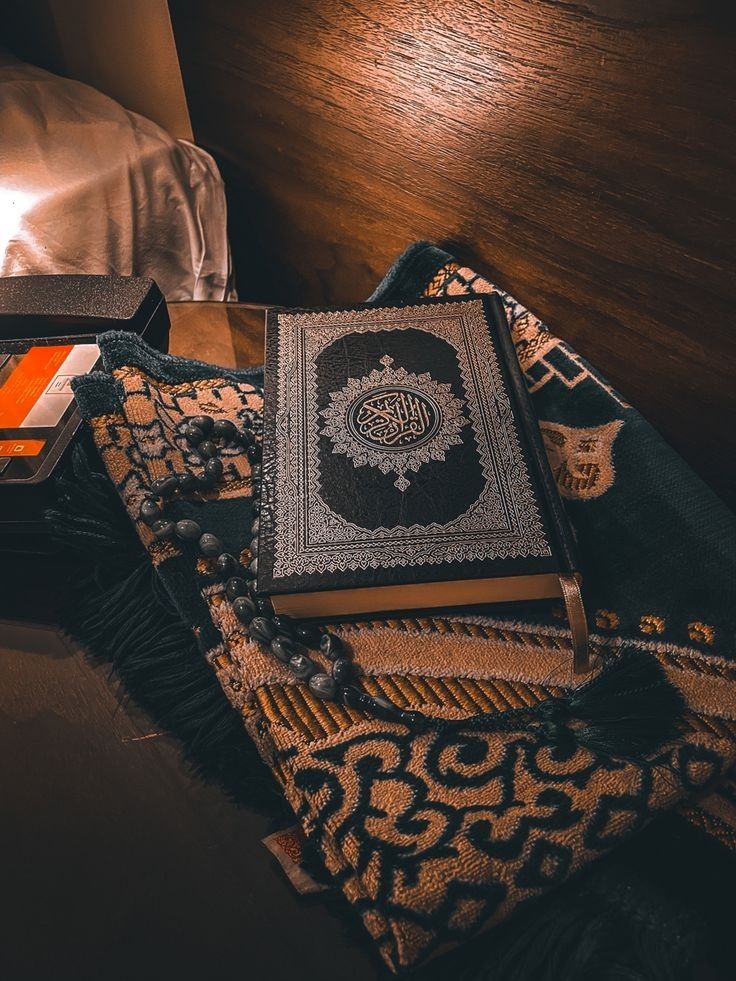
(403, 467)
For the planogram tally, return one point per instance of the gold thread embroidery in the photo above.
(581, 458)
(392, 409)
(606, 619)
(650, 624)
(439, 280)
(199, 384)
(294, 706)
(701, 633)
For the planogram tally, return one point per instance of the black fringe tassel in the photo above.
(608, 924)
(119, 610)
(627, 711)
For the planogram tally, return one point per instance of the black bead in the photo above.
(150, 511)
(383, 708)
(205, 481)
(214, 469)
(253, 569)
(255, 473)
(165, 486)
(265, 606)
(244, 609)
(302, 666)
(255, 528)
(247, 437)
(253, 546)
(236, 586)
(227, 564)
(188, 531)
(342, 670)
(262, 630)
(163, 528)
(208, 449)
(323, 686)
(309, 634)
(193, 435)
(353, 697)
(331, 646)
(285, 625)
(187, 482)
(283, 648)
(414, 720)
(224, 429)
(376, 705)
(205, 423)
(210, 545)
(253, 453)
(255, 507)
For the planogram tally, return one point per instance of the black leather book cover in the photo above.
(400, 447)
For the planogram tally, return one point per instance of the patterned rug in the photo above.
(434, 838)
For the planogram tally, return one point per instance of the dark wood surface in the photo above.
(580, 153)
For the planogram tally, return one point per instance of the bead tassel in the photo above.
(284, 638)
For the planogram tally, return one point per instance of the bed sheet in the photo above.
(87, 186)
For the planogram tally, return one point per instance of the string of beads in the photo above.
(285, 638)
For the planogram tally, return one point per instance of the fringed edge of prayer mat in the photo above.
(121, 614)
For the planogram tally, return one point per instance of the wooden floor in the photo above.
(581, 153)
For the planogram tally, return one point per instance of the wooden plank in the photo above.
(226, 334)
(581, 154)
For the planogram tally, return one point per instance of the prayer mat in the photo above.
(438, 836)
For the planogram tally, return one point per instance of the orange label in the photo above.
(27, 382)
(21, 447)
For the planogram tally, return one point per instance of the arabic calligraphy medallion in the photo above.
(394, 420)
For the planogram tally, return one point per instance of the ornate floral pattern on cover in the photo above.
(434, 837)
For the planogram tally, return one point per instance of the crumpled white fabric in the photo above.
(88, 187)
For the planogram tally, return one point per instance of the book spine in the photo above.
(559, 520)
